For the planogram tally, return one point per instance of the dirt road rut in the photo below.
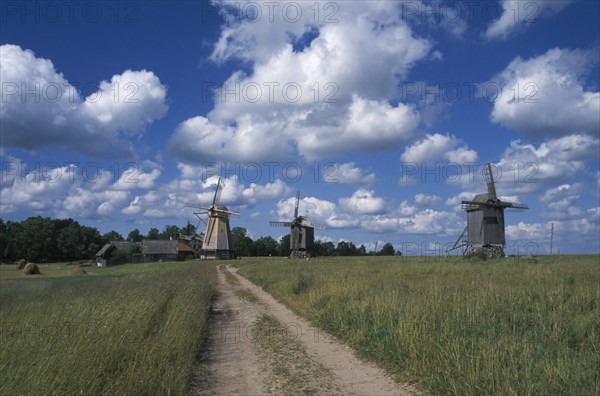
(257, 346)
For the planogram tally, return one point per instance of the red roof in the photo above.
(183, 248)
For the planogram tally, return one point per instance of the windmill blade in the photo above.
(489, 178)
(200, 219)
(281, 223)
(217, 193)
(472, 204)
(227, 212)
(318, 226)
(308, 223)
(297, 204)
(515, 205)
(195, 206)
(235, 215)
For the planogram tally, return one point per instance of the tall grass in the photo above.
(136, 331)
(458, 327)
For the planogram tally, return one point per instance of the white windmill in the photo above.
(216, 241)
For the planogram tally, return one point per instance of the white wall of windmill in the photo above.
(218, 234)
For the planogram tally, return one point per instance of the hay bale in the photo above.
(21, 264)
(78, 271)
(31, 269)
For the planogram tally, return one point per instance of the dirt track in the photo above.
(258, 346)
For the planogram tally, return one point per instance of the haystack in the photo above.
(31, 269)
(21, 264)
(78, 271)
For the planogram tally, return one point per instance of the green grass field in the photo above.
(509, 327)
(129, 329)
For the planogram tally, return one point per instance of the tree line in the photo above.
(42, 239)
(268, 246)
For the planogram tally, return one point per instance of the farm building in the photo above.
(147, 251)
(116, 252)
(184, 251)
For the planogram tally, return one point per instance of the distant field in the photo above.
(129, 329)
(509, 326)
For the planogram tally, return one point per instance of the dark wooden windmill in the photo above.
(484, 233)
(302, 232)
(216, 240)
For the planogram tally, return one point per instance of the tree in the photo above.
(188, 229)
(347, 249)
(153, 234)
(284, 249)
(264, 246)
(241, 241)
(3, 240)
(387, 250)
(169, 232)
(324, 249)
(15, 243)
(362, 250)
(135, 236)
(39, 237)
(91, 240)
(70, 242)
(329, 249)
(111, 236)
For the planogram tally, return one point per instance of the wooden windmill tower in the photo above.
(485, 221)
(302, 232)
(216, 241)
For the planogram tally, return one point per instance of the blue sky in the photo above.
(382, 113)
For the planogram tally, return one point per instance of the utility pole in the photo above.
(551, 236)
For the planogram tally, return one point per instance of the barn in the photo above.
(146, 251)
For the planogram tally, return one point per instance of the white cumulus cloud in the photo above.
(438, 147)
(545, 96)
(363, 201)
(54, 113)
(315, 101)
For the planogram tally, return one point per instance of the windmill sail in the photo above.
(489, 178)
(297, 204)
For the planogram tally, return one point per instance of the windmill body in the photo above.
(302, 233)
(217, 236)
(302, 237)
(216, 240)
(485, 223)
(484, 233)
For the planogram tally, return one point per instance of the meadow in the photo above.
(129, 329)
(510, 326)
